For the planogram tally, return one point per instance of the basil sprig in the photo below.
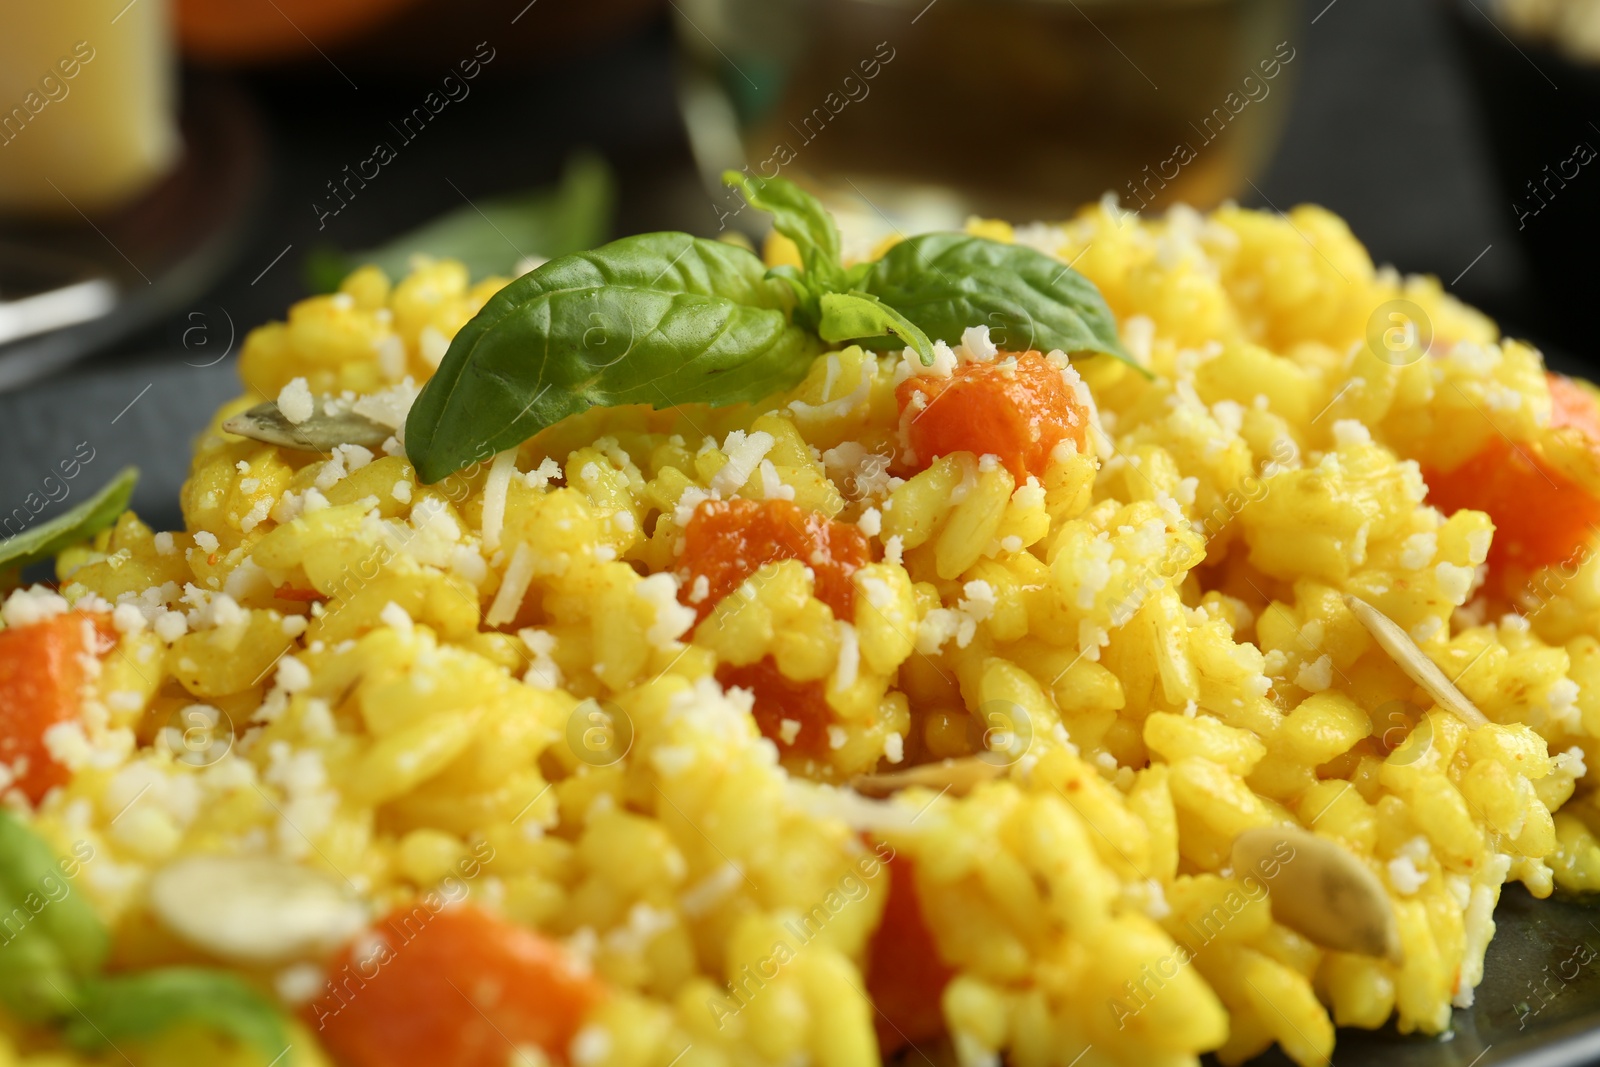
(801, 218)
(50, 938)
(936, 285)
(80, 523)
(53, 949)
(665, 318)
(145, 1004)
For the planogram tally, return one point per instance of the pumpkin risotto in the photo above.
(993, 707)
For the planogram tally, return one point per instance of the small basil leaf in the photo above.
(572, 349)
(50, 937)
(144, 1004)
(44, 540)
(946, 282)
(35, 981)
(859, 316)
(325, 267)
(801, 218)
(491, 235)
(807, 311)
(31, 874)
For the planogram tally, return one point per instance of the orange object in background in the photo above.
(263, 30)
(1018, 412)
(453, 988)
(1540, 515)
(420, 37)
(43, 670)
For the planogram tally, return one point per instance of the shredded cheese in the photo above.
(494, 497)
(513, 587)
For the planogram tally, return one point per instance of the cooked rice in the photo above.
(1159, 623)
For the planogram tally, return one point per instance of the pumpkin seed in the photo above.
(958, 777)
(322, 432)
(1411, 659)
(253, 910)
(1320, 890)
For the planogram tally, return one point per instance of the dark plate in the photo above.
(1538, 1004)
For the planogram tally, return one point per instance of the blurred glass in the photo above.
(87, 104)
(1535, 74)
(921, 114)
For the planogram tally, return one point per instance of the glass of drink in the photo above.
(918, 114)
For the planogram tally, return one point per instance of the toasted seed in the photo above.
(253, 910)
(1411, 659)
(319, 433)
(1320, 890)
(958, 777)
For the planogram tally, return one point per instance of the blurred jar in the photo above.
(927, 112)
(87, 104)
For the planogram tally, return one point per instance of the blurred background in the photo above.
(175, 172)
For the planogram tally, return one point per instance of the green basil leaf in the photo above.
(669, 262)
(146, 1003)
(659, 319)
(946, 282)
(31, 873)
(858, 316)
(36, 983)
(491, 235)
(43, 541)
(854, 275)
(807, 309)
(50, 937)
(801, 218)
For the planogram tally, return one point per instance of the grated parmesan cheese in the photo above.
(513, 587)
(494, 497)
(849, 655)
(296, 402)
(1418, 550)
(391, 357)
(1316, 676)
(745, 453)
(396, 618)
(1350, 432)
(672, 619)
(543, 671)
(871, 522)
(25, 607)
(432, 345)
